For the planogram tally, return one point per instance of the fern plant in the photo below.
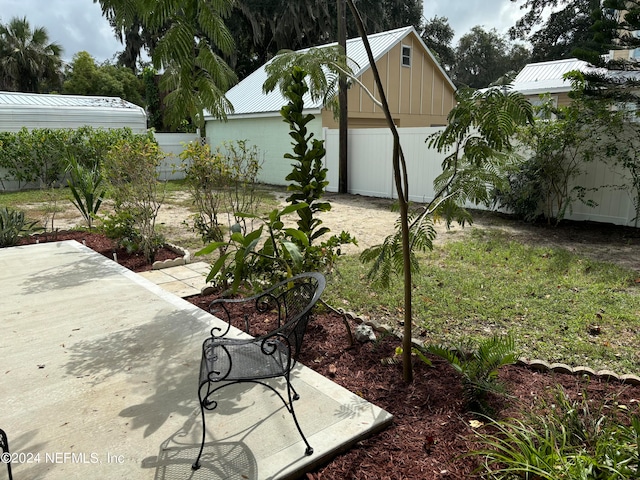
(479, 367)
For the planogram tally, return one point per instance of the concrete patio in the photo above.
(99, 371)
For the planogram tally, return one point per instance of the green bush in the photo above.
(219, 183)
(130, 169)
(85, 184)
(41, 155)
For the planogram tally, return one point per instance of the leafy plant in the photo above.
(556, 148)
(86, 187)
(247, 259)
(479, 367)
(13, 225)
(309, 176)
(572, 441)
(224, 181)
(205, 176)
(243, 165)
(131, 171)
(121, 227)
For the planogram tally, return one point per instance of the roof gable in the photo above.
(247, 97)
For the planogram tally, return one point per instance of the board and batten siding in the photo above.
(418, 95)
(270, 134)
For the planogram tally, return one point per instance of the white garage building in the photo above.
(31, 110)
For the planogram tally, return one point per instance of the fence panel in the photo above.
(172, 145)
(370, 173)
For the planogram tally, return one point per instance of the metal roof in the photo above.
(546, 77)
(37, 100)
(247, 97)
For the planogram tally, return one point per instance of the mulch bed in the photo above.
(132, 260)
(431, 430)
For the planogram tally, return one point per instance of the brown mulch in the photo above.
(431, 430)
(132, 260)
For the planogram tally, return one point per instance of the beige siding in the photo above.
(418, 96)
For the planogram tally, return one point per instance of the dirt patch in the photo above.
(371, 219)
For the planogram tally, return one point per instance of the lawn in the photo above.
(558, 306)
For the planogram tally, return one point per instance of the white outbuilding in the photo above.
(32, 110)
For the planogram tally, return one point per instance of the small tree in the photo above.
(466, 169)
(221, 182)
(556, 152)
(205, 178)
(309, 176)
(131, 171)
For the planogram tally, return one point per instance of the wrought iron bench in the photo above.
(230, 360)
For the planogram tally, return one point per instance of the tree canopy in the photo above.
(85, 77)
(483, 57)
(28, 61)
(190, 40)
(437, 35)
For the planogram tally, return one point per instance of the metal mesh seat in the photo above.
(226, 360)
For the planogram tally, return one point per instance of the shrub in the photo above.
(131, 172)
(13, 225)
(221, 182)
(479, 367)
(85, 184)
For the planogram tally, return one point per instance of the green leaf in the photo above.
(298, 235)
(294, 252)
(210, 248)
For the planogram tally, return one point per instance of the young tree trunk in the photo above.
(400, 177)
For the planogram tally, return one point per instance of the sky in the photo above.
(78, 24)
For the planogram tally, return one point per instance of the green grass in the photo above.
(547, 299)
(16, 199)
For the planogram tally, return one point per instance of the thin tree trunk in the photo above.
(400, 177)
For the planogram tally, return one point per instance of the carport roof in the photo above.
(60, 101)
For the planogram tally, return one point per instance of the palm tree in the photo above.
(190, 38)
(28, 62)
(189, 51)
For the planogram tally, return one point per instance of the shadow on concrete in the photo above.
(221, 460)
(161, 357)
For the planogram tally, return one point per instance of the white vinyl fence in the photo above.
(370, 173)
(172, 145)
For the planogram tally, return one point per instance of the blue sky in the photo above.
(78, 24)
